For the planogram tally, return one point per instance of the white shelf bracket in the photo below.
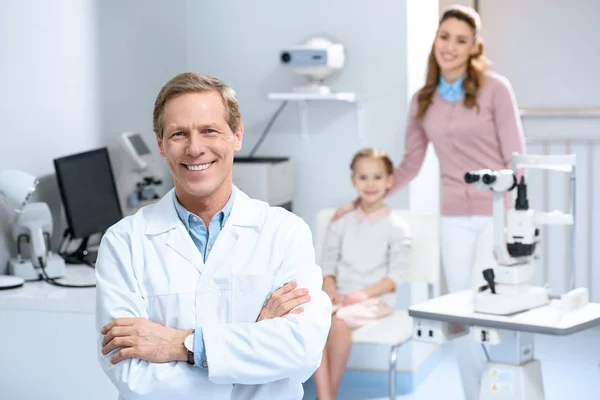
(360, 123)
(303, 117)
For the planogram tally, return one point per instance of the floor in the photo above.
(570, 370)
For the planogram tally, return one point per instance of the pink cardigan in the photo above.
(463, 141)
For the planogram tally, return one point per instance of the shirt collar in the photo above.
(185, 216)
(451, 91)
(372, 216)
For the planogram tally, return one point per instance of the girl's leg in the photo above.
(322, 380)
(338, 348)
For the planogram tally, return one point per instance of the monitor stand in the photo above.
(82, 255)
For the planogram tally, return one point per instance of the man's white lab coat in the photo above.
(148, 266)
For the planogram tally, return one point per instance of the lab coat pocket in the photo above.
(250, 293)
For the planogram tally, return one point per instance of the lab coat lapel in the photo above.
(237, 240)
(181, 241)
(163, 218)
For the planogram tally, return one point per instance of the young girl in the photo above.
(364, 258)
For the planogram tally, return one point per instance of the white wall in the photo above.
(222, 40)
(424, 190)
(48, 101)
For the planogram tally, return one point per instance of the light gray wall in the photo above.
(550, 53)
(48, 101)
(141, 45)
(239, 42)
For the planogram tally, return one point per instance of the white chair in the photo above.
(396, 329)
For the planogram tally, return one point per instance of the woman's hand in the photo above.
(340, 212)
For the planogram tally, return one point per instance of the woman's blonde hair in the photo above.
(189, 82)
(476, 65)
(373, 153)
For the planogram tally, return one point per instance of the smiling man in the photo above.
(208, 293)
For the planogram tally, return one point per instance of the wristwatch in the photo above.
(189, 345)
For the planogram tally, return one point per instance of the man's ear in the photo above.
(160, 146)
(238, 136)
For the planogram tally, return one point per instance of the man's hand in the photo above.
(143, 339)
(283, 301)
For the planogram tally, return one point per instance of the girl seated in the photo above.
(364, 258)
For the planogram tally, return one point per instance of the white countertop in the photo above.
(42, 296)
(458, 308)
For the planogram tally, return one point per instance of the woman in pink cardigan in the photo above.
(470, 116)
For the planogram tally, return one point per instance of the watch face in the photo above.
(189, 342)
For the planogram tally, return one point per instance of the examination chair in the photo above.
(424, 268)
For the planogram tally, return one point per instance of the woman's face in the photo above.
(454, 44)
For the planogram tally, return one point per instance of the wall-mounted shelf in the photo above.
(302, 100)
(295, 96)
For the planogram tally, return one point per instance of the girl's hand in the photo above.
(357, 296)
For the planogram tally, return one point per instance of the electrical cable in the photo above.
(53, 281)
(267, 129)
(487, 355)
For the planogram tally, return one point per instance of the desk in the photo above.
(458, 308)
(513, 356)
(48, 342)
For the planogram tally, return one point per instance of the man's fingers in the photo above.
(292, 295)
(290, 305)
(288, 287)
(127, 341)
(298, 310)
(117, 322)
(128, 352)
(117, 331)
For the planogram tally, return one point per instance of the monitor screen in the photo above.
(88, 192)
(139, 145)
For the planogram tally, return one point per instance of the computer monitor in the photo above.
(89, 196)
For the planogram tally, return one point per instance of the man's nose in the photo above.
(195, 146)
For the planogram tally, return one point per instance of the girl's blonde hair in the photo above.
(373, 153)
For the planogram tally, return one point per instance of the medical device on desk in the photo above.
(270, 179)
(516, 235)
(144, 165)
(316, 59)
(504, 315)
(31, 223)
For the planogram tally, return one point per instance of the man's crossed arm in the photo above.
(150, 341)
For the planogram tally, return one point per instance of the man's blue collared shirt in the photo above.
(204, 239)
(451, 91)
